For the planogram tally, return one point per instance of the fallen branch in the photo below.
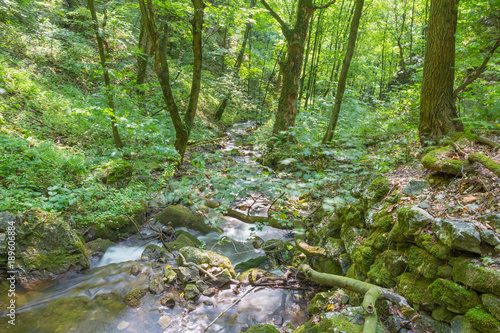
(201, 269)
(136, 226)
(309, 250)
(372, 294)
(234, 303)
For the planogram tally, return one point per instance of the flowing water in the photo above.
(91, 301)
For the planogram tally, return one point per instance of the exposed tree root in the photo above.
(441, 160)
(372, 294)
(253, 219)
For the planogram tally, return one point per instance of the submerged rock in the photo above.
(262, 328)
(97, 247)
(155, 252)
(133, 297)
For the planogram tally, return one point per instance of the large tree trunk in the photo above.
(339, 95)
(438, 112)
(107, 81)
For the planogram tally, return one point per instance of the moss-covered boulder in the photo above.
(331, 322)
(416, 289)
(262, 328)
(325, 265)
(470, 273)
(410, 220)
(453, 296)
(458, 234)
(378, 239)
(191, 292)
(423, 263)
(460, 324)
(155, 252)
(377, 189)
(441, 313)
(133, 297)
(482, 320)
(98, 246)
(197, 256)
(364, 257)
(47, 246)
(492, 304)
(352, 237)
(259, 262)
(353, 215)
(387, 268)
(180, 242)
(181, 216)
(116, 173)
(433, 246)
(193, 239)
(254, 274)
(319, 302)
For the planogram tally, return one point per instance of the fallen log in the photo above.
(372, 294)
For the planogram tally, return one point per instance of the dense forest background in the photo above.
(73, 106)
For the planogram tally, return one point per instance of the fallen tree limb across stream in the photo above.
(272, 222)
(372, 294)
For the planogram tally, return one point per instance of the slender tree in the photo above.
(438, 113)
(109, 93)
(295, 37)
(158, 37)
(339, 95)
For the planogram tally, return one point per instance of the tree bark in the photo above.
(438, 112)
(295, 37)
(142, 58)
(351, 44)
(159, 41)
(108, 89)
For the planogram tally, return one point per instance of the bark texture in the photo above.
(438, 112)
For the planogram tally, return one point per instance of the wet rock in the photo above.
(201, 285)
(209, 292)
(97, 247)
(136, 270)
(169, 276)
(191, 292)
(320, 302)
(482, 320)
(168, 300)
(156, 286)
(460, 324)
(470, 273)
(410, 220)
(213, 259)
(180, 216)
(259, 262)
(123, 325)
(428, 324)
(155, 252)
(453, 296)
(458, 234)
(492, 304)
(187, 274)
(416, 289)
(415, 187)
(47, 246)
(133, 297)
(165, 321)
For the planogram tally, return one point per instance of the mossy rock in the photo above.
(378, 239)
(334, 322)
(133, 297)
(416, 289)
(441, 313)
(433, 246)
(470, 273)
(197, 256)
(352, 237)
(180, 216)
(193, 239)
(384, 222)
(191, 292)
(387, 268)
(262, 328)
(259, 262)
(454, 296)
(155, 252)
(492, 304)
(181, 241)
(319, 302)
(325, 265)
(256, 274)
(116, 173)
(353, 215)
(421, 262)
(410, 220)
(364, 256)
(47, 246)
(482, 320)
(98, 246)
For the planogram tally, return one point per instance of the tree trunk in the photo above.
(142, 58)
(109, 94)
(353, 33)
(182, 126)
(438, 112)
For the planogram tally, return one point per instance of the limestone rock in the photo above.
(455, 297)
(423, 263)
(186, 274)
(410, 220)
(197, 256)
(482, 320)
(490, 237)
(155, 252)
(387, 268)
(458, 234)
(470, 273)
(191, 292)
(133, 297)
(168, 300)
(492, 304)
(415, 187)
(460, 324)
(156, 286)
(493, 219)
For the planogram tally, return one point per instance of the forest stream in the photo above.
(91, 301)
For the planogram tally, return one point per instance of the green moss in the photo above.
(423, 263)
(262, 328)
(98, 246)
(192, 238)
(252, 263)
(364, 256)
(387, 267)
(116, 173)
(469, 273)
(378, 240)
(482, 320)
(353, 216)
(454, 296)
(385, 222)
(433, 246)
(415, 289)
(319, 302)
(133, 297)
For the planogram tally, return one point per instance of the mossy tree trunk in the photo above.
(291, 67)
(159, 41)
(142, 58)
(339, 94)
(109, 94)
(438, 113)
